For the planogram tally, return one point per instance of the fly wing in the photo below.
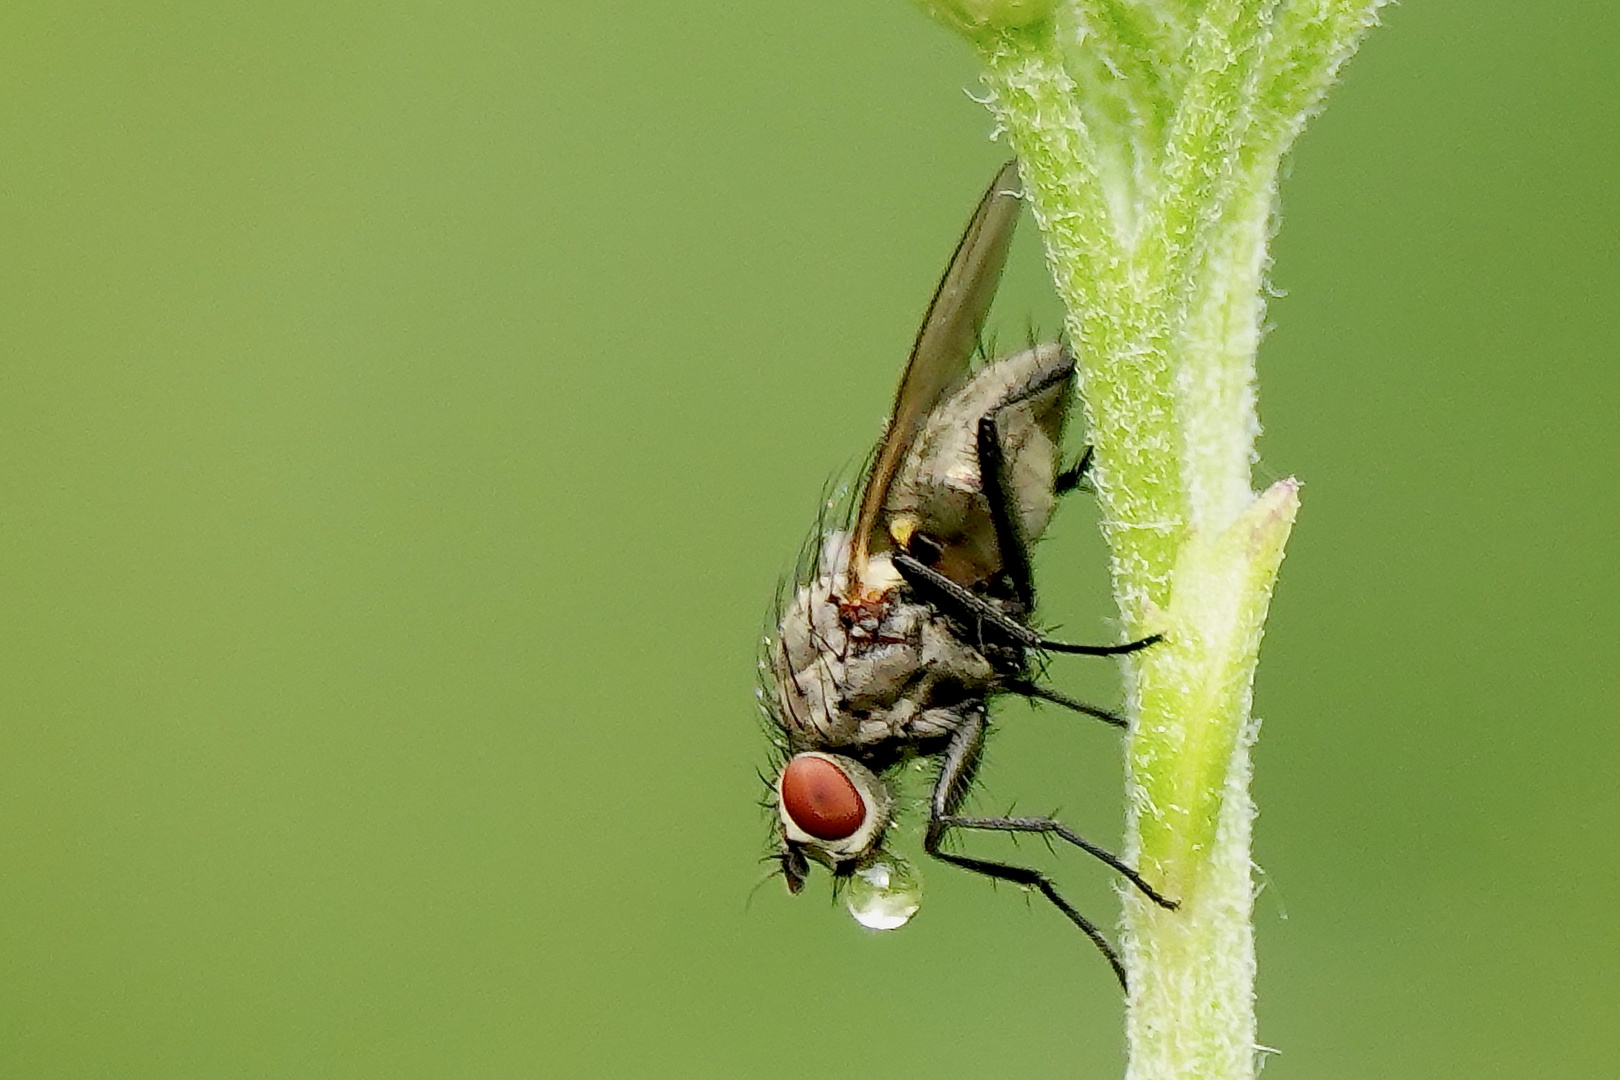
(944, 346)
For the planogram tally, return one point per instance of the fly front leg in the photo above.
(956, 772)
(1052, 827)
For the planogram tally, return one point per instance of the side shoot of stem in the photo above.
(1150, 134)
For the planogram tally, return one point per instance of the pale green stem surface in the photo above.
(1150, 133)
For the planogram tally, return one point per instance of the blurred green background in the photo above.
(405, 413)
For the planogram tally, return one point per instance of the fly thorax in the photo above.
(840, 668)
(955, 667)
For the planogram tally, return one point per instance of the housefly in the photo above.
(905, 622)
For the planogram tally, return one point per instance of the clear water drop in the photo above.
(884, 893)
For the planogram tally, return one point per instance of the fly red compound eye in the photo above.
(820, 799)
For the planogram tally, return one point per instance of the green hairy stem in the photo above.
(1150, 134)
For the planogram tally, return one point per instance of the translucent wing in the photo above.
(944, 345)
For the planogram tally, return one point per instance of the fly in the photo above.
(892, 641)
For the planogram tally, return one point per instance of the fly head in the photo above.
(833, 810)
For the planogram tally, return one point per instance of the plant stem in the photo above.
(1150, 133)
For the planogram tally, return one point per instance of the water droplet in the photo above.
(884, 893)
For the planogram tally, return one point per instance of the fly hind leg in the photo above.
(1071, 478)
(996, 482)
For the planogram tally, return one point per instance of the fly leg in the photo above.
(1050, 827)
(997, 486)
(1014, 549)
(1071, 478)
(1031, 689)
(969, 608)
(956, 772)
